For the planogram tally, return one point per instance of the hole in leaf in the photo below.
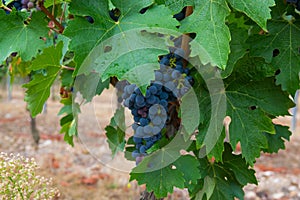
(142, 11)
(253, 107)
(277, 72)
(276, 52)
(181, 15)
(90, 19)
(115, 14)
(225, 178)
(107, 49)
(193, 35)
(173, 167)
(14, 54)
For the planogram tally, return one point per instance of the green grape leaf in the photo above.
(161, 181)
(207, 189)
(90, 85)
(16, 36)
(178, 174)
(191, 171)
(212, 40)
(114, 48)
(115, 132)
(38, 89)
(69, 122)
(250, 103)
(218, 148)
(238, 48)
(226, 179)
(66, 78)
(276, 141)
(165, 164)
(190, 113)
(212, 106)
(282, 39)
(257, 10)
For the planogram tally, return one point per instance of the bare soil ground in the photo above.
(87, 171)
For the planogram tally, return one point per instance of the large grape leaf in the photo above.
(38, 89)
(163, 180)
(251, 102)
(257, 10)
(121, 51)
(213, 36)
(283, 40)
(21, 37)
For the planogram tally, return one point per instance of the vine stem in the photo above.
(44, 10)
(6, 8)
(186, 37)
(68, 68)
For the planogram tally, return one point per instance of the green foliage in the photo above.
(176, 174)
(38, 89)
(244, 60)
(115, 132)
(21, 37)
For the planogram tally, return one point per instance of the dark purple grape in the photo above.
(30, 4)
(144, 121)
(158, 76)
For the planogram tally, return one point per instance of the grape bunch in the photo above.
(23, 5)
(151, 111)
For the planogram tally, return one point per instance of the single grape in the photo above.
(164, 103)
(176, 74)
(148, 129)
(179, 68)
(158, 76)
(153, 110)
(156, 130)
(137, 91)
(144, 121)
(139, 99)
(151, 100)
(127, 103)
(140, 132)
(165, 61)
(136, 118)
(30, 5)
(24, 1)
(170, 86)
(166, 77)
(163, 95)
(137, 140)
(143, 149)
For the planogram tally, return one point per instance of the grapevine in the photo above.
(179, 67)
